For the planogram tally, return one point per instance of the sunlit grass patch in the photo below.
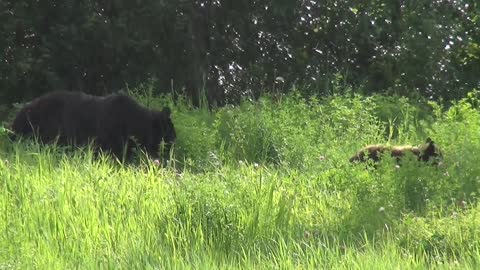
(263, 185)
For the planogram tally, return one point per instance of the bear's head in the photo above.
(430, 151)
(163, 130)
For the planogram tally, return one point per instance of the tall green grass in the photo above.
(263, 185)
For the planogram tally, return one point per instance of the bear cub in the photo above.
(424, 152)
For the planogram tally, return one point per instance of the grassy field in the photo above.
(262, 185)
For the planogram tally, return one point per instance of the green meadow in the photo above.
(261, 185)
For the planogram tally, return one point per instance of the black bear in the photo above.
(113, 122)
(424, 152)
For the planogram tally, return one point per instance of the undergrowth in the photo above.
(265, 185)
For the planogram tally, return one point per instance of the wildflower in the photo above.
(322, 158)
(397, 166)
(381, 209)
(279, 79)
(446, 173)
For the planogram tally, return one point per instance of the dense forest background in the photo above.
(226, 49)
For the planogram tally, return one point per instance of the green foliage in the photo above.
(266, 184)
(461, 124)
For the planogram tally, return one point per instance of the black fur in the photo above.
(113, 122)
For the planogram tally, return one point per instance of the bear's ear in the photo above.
(167, 111)
(429, 141)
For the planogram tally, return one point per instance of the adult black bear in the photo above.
(113, 122)
(424, 152)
